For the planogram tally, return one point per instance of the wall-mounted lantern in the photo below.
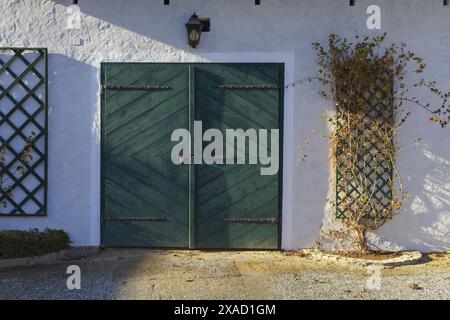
(195, 26)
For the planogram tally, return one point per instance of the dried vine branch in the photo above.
(26, 156)
(367, 80)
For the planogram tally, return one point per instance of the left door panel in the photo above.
(145, 195)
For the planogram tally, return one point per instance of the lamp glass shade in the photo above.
(194, 30)
(194, 35)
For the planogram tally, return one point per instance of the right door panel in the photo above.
(236, 206)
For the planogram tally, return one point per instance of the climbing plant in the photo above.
(19, 170)
(371, 84)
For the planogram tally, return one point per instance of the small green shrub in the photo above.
(19, 244)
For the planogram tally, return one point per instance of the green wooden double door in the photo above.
(149, 201)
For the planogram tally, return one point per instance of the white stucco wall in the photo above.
(276, 31)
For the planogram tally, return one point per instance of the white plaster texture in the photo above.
(275, 31)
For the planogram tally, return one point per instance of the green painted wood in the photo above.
(236, 191)
(192, 202)
(230, 101)
(145, 195)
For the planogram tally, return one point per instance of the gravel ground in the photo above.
(157, 274)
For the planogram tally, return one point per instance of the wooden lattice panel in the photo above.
(23, 131)
(371, 169)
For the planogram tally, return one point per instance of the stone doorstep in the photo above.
(73, 253)
(406, 258)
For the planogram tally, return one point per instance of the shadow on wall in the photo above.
(69, 149)
(70, 114)
(424, 223)
(165, 24)
(128, 15)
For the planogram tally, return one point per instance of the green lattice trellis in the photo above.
(371, 160)
(23, 126)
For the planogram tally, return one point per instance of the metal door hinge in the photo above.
(252, 220)
(156, 219)
(248, 87)
(136, 88)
